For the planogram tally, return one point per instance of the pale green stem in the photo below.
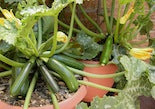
(90, 19)
(30, 90)
(5, 73)
(70, 31)
(112, 15)
(87, 74)
(39, 33)
(33, 46)
(54, 99)
(106, 16)
(54, 45)
(67, 26)
(33, 37)
(116, 40)
(98, 86)
(10, 62)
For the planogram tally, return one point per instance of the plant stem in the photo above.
(55, 74)
(45, 46)
(123, 29)
(5, 73)
(92, 65)
(54, 99)
(126, 8)
(33, 46)
(70, 31)
(10, 62)
(83, 73)
(67, 26)
(86, 30)
(106, 16)
(54, 45)
(116, 40)
(112, 15)
(30, 90)
(4, 66)
(33, 37)
(90, 19)
(98, 86)
(39, 33)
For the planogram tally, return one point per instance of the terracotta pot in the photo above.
(108, 69)
(69, 103)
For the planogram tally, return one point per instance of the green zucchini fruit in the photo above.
(69, 61)
(66, 75)
(48, 77)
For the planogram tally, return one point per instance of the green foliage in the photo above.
(11, 1)
(5, 47)
(137, 85)
(47, 25)
(153, 92)
(125, 1)
(152, 75)
(125, 99)
(134, 67)
(85, 47)
(117, 52)
(89, 47)
(43, 10)
(8, 32)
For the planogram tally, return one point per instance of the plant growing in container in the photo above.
(27, 54)
(138, 77)
(22, 53)
(129, 22)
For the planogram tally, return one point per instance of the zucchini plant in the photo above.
(29, 48)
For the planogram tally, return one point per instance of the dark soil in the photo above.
(40, 97)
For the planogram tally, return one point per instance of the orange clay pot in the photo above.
(108, 69)
(69, 103)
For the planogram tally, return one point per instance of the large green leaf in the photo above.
(133, 66)
(8, 32)
(48, 24)
(12, 1)
(82, 106)
(43, 10)
(152, 75)
(88, 46)
(153, 92)
(127, 99)
(5, 47)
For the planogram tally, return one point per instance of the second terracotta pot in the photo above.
(108, 69)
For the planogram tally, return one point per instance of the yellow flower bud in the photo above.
(10, 16)
(124, 19)
(62, 37)
(141, 53)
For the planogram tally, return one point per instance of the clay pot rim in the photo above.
(81, 91)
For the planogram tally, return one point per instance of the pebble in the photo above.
(61, 83)
(2, 88)
(1, 92)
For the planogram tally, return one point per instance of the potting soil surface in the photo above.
(40, 96)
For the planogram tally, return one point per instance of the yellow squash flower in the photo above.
(62, 37)
(9, 16)
(124, 19)
(1, 21)
(141, 53)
